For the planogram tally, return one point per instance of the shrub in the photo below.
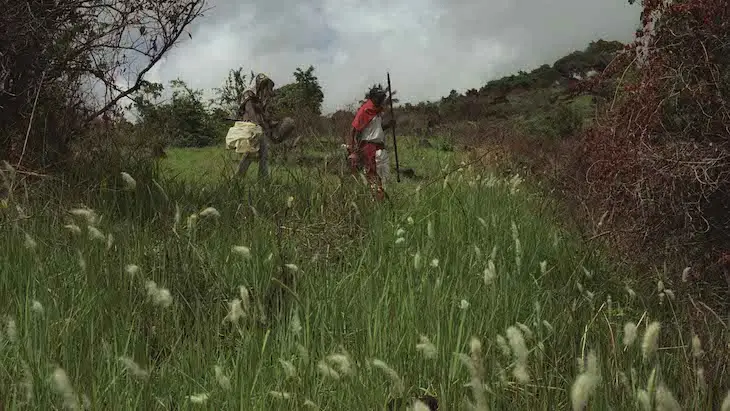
(657, 160)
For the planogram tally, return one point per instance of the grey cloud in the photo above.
(430, 47)
(541, 29)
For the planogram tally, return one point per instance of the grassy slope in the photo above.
(357, 291)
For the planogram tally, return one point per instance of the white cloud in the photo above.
(429, 46)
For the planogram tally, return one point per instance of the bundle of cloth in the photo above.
(255, 120)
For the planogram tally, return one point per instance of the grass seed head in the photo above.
(85, 213)
(289, 369)
(292, 267)
(490, 273)
(241, 250)
(132, 269)
(11, 330)
(295, 325)
(644, 400)
(199, 398)
(95, 234)
(133, 368)
(630, 333)
(327, 371)
(701, 381)
(418, 405)
(520, 373)
(177, 218)
(27, 381)
(36, 307)
(665, 400)
(73, 229)
(427, 348)
(586, 383)
(210, 212)
(62, 385)
(651, 338)
(129, 183)
(223, 380)
(517, 343)
(280, 395)
(398, 387)
(503, 346)
(726, 403)
(483, 222)
(342, 363)
(685, 274)
(29, 242)
(526, 331)
(159, 296)
(235, 311)
(696, 347)
(631, 293)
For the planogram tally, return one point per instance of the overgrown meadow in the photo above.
(177, 289)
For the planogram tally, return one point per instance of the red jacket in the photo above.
(364, 115)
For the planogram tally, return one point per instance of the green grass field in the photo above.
(304, 294)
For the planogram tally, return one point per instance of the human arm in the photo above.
(351, 139)
(281, 130)
(388, 120)
(254, 112)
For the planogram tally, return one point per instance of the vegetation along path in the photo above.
(188, 289)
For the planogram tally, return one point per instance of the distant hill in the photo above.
(514, 97)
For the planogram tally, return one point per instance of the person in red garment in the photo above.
(366, 142)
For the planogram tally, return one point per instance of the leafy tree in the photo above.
(229, 96)
(311, 91)
(182, 121)
(304, 97)
(65, 63)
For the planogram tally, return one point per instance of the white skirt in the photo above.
(382, 164)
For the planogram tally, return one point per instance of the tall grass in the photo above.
(298, 294)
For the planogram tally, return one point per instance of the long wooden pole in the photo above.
(392, 119)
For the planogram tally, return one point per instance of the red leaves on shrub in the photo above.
(658, 158)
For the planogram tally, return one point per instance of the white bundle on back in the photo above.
(243, 137)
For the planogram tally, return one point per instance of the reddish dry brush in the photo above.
(658, 159)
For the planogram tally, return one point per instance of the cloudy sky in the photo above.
(429, 46)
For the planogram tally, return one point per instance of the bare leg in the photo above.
(264, 158)
(244, 164)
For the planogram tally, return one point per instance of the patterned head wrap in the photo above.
(263, 82)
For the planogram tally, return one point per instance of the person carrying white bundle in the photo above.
(250, 136)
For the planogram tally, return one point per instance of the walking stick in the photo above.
(395, 143)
